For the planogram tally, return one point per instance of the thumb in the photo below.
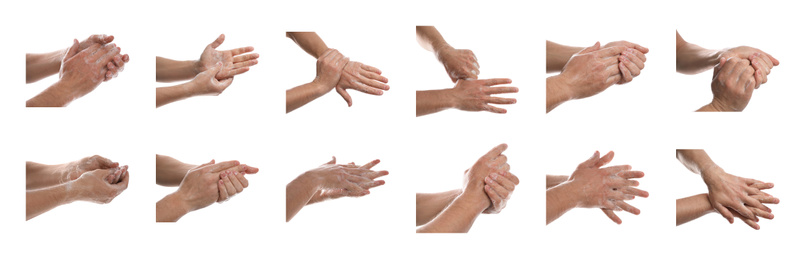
(72, 51)
(592, 161)
(718, 67)
(593, 48)
(218, 41)
(332, 161)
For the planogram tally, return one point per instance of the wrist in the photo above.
(72, 192)
(440, 48)
(312, 179)
(321, 88)
(472, 202)
(560, 88)
(197, 67)
(179, 202)
(574, 191)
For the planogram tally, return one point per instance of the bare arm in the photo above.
(557, 92)
(557, 55)
(693, 207)
(430, 39)
(458, 217)
(696, 160)
(171, 208)
(170, 171)
(297, 194)
(559, 200)
(309, 42)
(303, 94)
(42, 65)
(169, 70)
(432, 101)
(429, 205)
(39, 175)
(554, 180)
(693, 59)
(45, 199)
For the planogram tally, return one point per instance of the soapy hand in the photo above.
(591, 71)
(726, 191)
(733, 84)
(493, 162)
(200, 187)
(475, 95)
(460, 64)
(606, 188)
(329, 68)
(235, 61)
(340, 180)
(499, 188)
(101, 185)
(233, 180)
(364, 78)
(82, 71)
(73, 170)
(206, 83)
(631, 60)
(118, 62)
(761, 61)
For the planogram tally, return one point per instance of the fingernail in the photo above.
(495, 176)
(487, 179)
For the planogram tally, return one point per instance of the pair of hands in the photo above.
(739, 197)
(213, 182)
(470, 93)
(96, 179)
(339, 180)
(88, 63)
(217, 69)
(596, 68)
(334, 70)
(488, 182)
(606, 188)
(740, 71)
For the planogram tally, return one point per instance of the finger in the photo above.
(346, 96)
(332, 161)
(774, 61)
(72, 51)
(635, 191)
(218, 41)
(751, 223)
(626, 76)
(371, 164)
(233, 73)
(635, 67)
(373, 83)
(356, 177)
(228, 183)
(512, 178)
(627, 207)
(593, 161)
(242, 50)
(495, 152)
(591, 49)
(604, 160)
(742, 210)
(617, 169)
(123, 184)
(724, 212)
(494, 196)
(221, 166)
(642, 49)
(360, 86)
(233, 178)
(245, 58)
(494, 109)
(244, 64)
(355, 190)
(222, 191)
(766, 199)
(374, 76)
(109, 52)
(370, 68)
(496, 81)
(372, 184)
(612, 215)
(500, 90)
(631, 174)
(374, 174)
(762, 213)
(499, 100)
(504, 183)
(611, 51)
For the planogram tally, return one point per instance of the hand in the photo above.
(102, 185)
(206, 83)
(73, 170)
(761, 61)
(460, 64)
(499, 188)
(631, 60)
(200, 186)
(329, 68)
(494, 162)
(474, 95)
(118, 62)
(765, 212)
(726, 191)
(233, 180)
(606, 188)
(82, 71)
(234, 63)
(591, 71)
(732, 85)
(328, 194)
(364, 78)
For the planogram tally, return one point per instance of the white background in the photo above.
(643, 122)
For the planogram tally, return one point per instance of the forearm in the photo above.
(39, 175)
(557, 92)
(303, 94)
(309, 42)
(693, 207)
(42, 65)
(429, 205)
(297, 194)
(54, 96)
(170, 171)
(432, 101)
(693, 59)
(171, 208)
(696, 160)
(430, 39)
(559, 200)
(458, 217)
(554, 180)
(167, 95)
(557, 55)
(43, 200)
(171, 70)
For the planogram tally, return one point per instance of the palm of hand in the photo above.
(210, 57)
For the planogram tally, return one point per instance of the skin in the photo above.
(233, 62)
(458, 63)
(554, 180)
(42, 65)
(42, 175)
(329, 68)
(694, 207)
(727, 192)
(585, 72)
(466, 95)
(732, 85)
(204, 84)
(499, 189)
(355, 75)
(199, 187)
(98, 186)
(459, 215)
(331, 181)
(591, 186)
(80, 73)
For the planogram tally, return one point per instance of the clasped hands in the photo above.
(595, 68)
(739, 197)
(334, 181)
(740, 71)
(213, 182)
(86, 64)
(606, 188)
(488, 184)
(334, 70)
(96, 179)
